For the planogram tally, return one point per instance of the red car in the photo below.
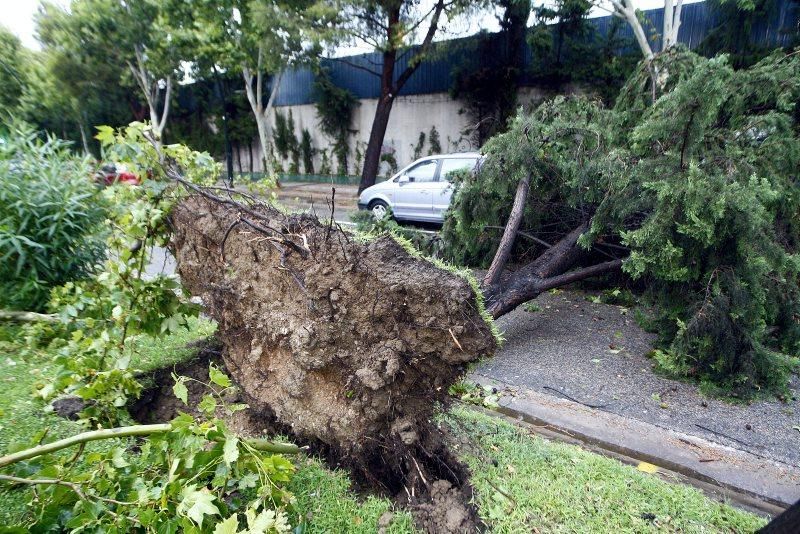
(108, 175)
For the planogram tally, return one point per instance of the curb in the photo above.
(727, 474)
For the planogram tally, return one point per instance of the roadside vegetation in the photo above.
(521, 481)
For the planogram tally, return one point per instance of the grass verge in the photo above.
(525, 483)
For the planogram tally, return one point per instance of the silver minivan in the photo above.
(419, 192)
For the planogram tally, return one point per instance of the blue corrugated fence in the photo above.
(435, 75)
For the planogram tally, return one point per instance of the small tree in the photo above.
(390, 27)
(308, 151)
(335, 107)
(259, 39)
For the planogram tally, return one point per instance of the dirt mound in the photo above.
(347, 344)
(424, 477)
(345, 341)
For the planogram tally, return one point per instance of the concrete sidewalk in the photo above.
(724, 472)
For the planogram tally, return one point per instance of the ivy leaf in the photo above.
(208, 404)
(195, 504)
(218, 377)
(236, 407)
(179, 389)
(229, 526)
(250, 480)
(105, 134)
(230, 452)
(117, 458)
(170, 324)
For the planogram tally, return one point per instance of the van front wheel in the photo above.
(379, 209)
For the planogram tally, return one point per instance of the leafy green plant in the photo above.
(419, 147)
(283, 142)
(325, 164)
(188, 475)
(335, 107)
(532, 307)
(102, 313)
(308, 151)
(390, 159)
(434, 144)
(51, 218)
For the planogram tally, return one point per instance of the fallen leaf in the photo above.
(647, 468)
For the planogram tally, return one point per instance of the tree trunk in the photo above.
(553, 268)
(391, 87)
(372, 157)
(510, 233)
(263, 138)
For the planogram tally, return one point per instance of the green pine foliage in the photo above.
(51, 218)
(700, 186)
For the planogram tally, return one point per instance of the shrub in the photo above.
(51, 217)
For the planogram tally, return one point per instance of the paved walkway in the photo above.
(316, 197)
(593, 358)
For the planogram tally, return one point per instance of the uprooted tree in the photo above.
(695, 196)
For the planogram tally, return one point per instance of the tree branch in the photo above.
(509, 234)
(357, 66)
(94, 435)
(165, 111)
(27, 316)
(423, 49)
(129, 431)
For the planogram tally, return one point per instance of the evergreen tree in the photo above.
(694, 196)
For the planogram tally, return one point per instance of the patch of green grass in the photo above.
(525, 482)
(151, 353)
(327, 503)
(23, 416)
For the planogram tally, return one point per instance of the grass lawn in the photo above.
(526, 483)
(523, 482)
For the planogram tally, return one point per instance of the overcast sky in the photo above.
(17, 16)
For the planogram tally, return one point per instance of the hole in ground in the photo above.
(422, 475)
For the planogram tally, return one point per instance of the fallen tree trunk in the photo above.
(555, 267)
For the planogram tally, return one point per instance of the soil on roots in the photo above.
(423, 476)
(346, 341)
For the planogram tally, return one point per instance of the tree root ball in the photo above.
(346, 340)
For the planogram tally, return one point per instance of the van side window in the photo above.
(452, 165)
(423, 172)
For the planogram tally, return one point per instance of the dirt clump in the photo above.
(347, 344)
(344, 340)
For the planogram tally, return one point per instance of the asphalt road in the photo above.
(596, 354)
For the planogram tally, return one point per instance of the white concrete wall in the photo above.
(410, 116)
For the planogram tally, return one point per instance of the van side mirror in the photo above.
(403, 179)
